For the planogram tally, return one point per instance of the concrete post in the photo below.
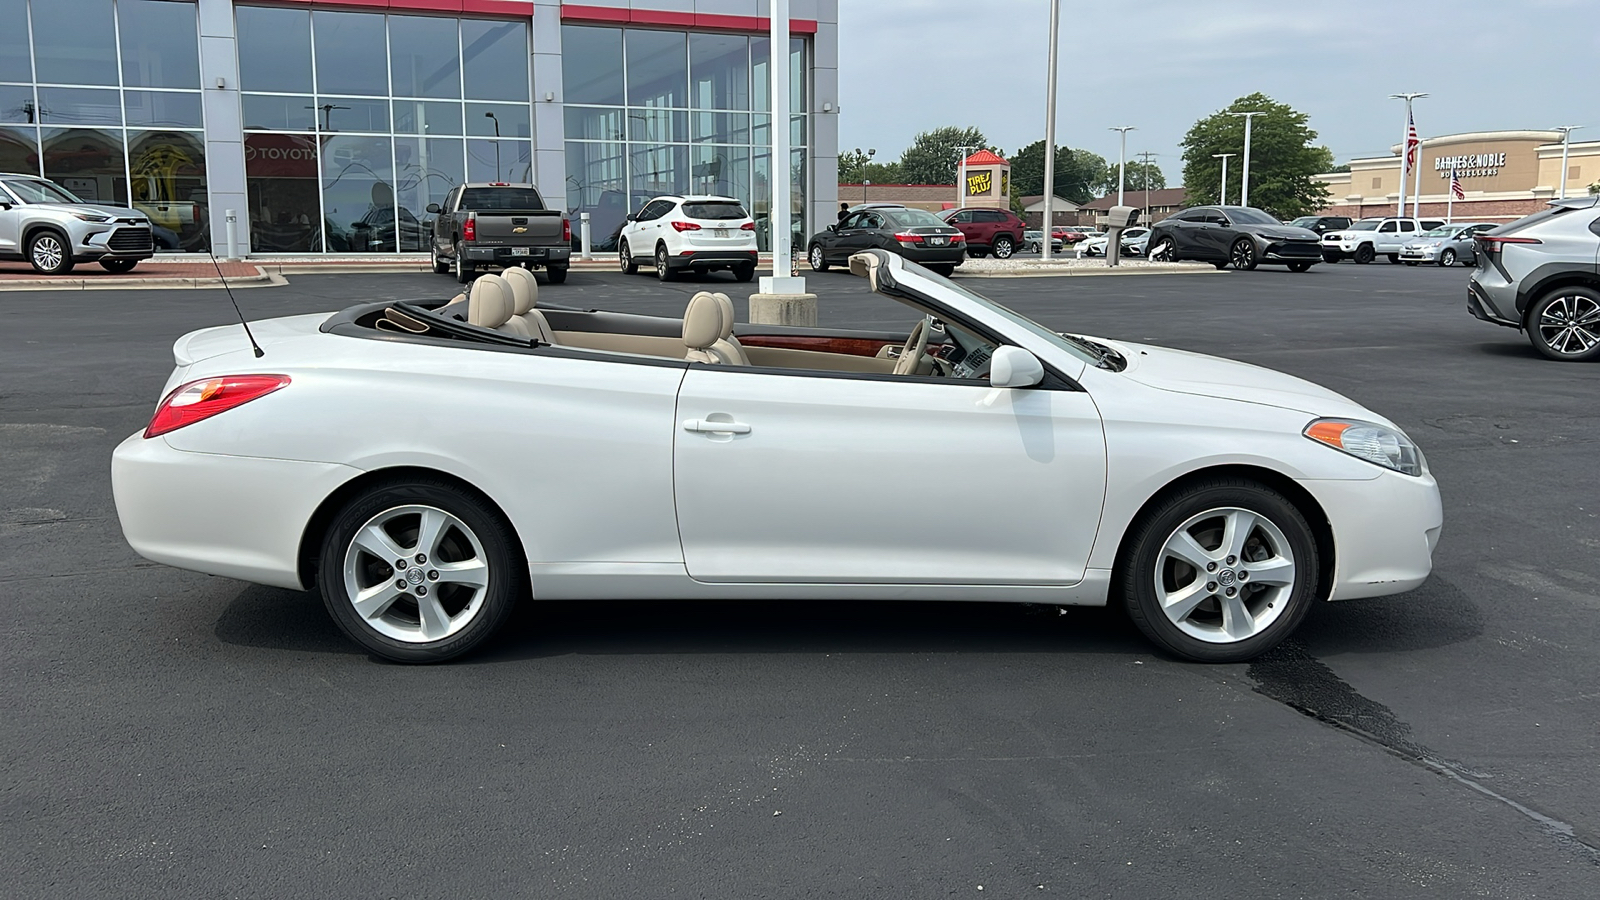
(583, 229)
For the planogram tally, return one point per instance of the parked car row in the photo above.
(915, 234)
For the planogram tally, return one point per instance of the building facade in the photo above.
(1504, 175)
(329, 127)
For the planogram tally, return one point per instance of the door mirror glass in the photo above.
(433, 208)
(834, 227)
(1014, 367)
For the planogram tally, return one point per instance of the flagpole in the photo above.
(1405, 147)
(1450, 204)
(1416, 195)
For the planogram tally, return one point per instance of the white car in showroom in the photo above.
(426, 465)
(699, 233)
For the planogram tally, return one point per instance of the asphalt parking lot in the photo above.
(173, 734)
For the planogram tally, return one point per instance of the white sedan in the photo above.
(427, 465)
(1133, 243)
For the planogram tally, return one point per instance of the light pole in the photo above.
(1244, 178)
(1222, 195)
(961, 176)
(1145, 158)
(490, 115)
(1405, 148)
(1050, 134)
(1566, 139)
(1122, 157)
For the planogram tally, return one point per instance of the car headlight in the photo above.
(1377, 444)
(91, 217)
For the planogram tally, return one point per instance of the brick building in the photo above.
(1155, 205)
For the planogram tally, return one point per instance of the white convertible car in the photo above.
(426, 465)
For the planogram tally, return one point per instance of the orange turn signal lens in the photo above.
(1328, 432)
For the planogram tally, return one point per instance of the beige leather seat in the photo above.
(702, 331)
(524, 303)
(729, 345)
(489, 306)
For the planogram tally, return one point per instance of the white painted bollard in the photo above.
(583, 231)
(232, 219)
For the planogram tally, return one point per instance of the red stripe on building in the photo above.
(610, 15)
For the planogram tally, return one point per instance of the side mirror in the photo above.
(833, 227)
(633, 217)
(433, 208)
(1014, 367)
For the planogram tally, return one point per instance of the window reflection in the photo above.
(427, 117)
(15, 63)
(85, 106)
(424, 59)
(597, 183)
(425, 171)
(88, 162)
(274, 49)
(591, 64)
(358, 194)
(719, 71)
(160, 44)
(277, 112)
(351, 56)
(492, 160)
(495, 57)
(19, 150)
(168, 171)
(281, 188)
(498, 119)
(74, 42)
(178, 110)
(658, 68)
(16, 104)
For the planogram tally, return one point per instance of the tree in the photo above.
(852, 166)
(1283, 158)
(933, 158)
(1139, 175)
(1077, 172)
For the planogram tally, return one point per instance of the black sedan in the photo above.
(917, 235)
(1240, 236)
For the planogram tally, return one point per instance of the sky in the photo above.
(1489, 65)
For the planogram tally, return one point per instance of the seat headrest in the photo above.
(489, 302)
(524, 289)
(702, 321)
(728, 315)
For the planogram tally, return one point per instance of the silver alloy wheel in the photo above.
(47, 252)
(624, 257)
(1225, 575)
(1003, 248)
(416, 574)
(1570, 325)
(1447, 258)
(816, 258)
(1162, 251)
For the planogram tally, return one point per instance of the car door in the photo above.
(965, 223)
(10, 216)
(1211, 235)
(861, 235)
(1388, 237)
(872, 479)
(443, 222)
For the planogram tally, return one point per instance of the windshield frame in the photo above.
(65, 196)
(1246, 215)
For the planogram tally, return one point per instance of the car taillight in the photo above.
(197, 400)
(1492, 244)
(748, 226)
(957, 238)
(908, 237)
(566, 229)
(685, 226)
(469, 228)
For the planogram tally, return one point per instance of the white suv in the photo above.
(698, 232)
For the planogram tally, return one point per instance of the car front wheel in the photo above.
(1163, 251)
(1243, 255)
(1220, 571)
(48, 253)
(1447, 259)
(419, 571)
(1365, 254)
(819, 261)
(1565, 324)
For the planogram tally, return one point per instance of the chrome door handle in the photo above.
(703, 426)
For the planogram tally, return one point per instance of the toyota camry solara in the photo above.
(426, 465)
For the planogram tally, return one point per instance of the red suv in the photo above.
(997, 231)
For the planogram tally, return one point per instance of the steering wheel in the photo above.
(911, 353)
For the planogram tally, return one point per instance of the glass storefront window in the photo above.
(79, 106)
(721, 170)
(597, 183)
(16, 104)
(15, 62)
(591, 64)
(595, 123)
(160, 46)
(89, 162)
(278, 112)
(492, 160)
(358, 194)
(425, 171)
(336, 114)
(281, 189)
(274, 49)
(658, 126)
(495, 59)
(721, 128)
(658, 170)
(75, 42)
(351, 53)
(658, 68)
(168, 184)
(719, 71)
(19, 149)
(163, 108)
(424, 59)
(427, 117)
(511, 119)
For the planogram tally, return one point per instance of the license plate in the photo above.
(521, 251)
(721, 232)
(937, 241)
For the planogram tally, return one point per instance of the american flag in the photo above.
(1412, 142)
(1455, 186)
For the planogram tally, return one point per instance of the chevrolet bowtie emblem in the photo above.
(518, 230)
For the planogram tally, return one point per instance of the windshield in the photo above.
(1306, 221)
(1244, 215)
(1364, 225)
(31, 190)
(1079, 350)
(492, 198)
(1447, 231)
(713, 209)
(913, 218)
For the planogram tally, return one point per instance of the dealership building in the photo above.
(329, 127)
(1504, 175)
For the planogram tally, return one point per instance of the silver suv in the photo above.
(41, 222)
(1541, 275)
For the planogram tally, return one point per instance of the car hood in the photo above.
(1182, 372)
(120, 212)
(1280, 232)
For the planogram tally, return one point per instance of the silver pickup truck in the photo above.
(42, 223)
(494, 224)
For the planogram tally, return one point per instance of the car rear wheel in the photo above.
(1220, 571)
(1243, 255)
(625, 259)
(663, 264)
(744, 271)
(819, 261)
(1004, 247)
(440, 267)
(1163, 251)
(556, 274)
(1447, 259)
(47, 251)
(1365, 254)
(118, 266)
(1565, 324)
(419, 571)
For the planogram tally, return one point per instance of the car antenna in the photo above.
(253, 345)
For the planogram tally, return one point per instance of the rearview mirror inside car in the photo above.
(1014, 367)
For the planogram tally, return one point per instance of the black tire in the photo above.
(463, 268)
(1164, 251)
(744, 272)
(625, 259)
(506, 580)
(1447, 258)
(945, 269)
(1299, 266)
(1141, 562)
(1004, 246)
(556, 274)
(818, 259)
(1394, 258)
(1365, 254)
(50, 253)
(663, 264)
(1561, 322)
(440, 267)
(1243, 255)
(1331, 256)
(118, 266)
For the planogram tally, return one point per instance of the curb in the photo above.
(260, 279)
(1096, 272)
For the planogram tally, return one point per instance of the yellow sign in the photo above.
(1005, 184)
(979, 183)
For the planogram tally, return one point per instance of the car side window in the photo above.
(962, 218)
(1216, 218)
(1387, 228)
(872, 220)
(1408, 226)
